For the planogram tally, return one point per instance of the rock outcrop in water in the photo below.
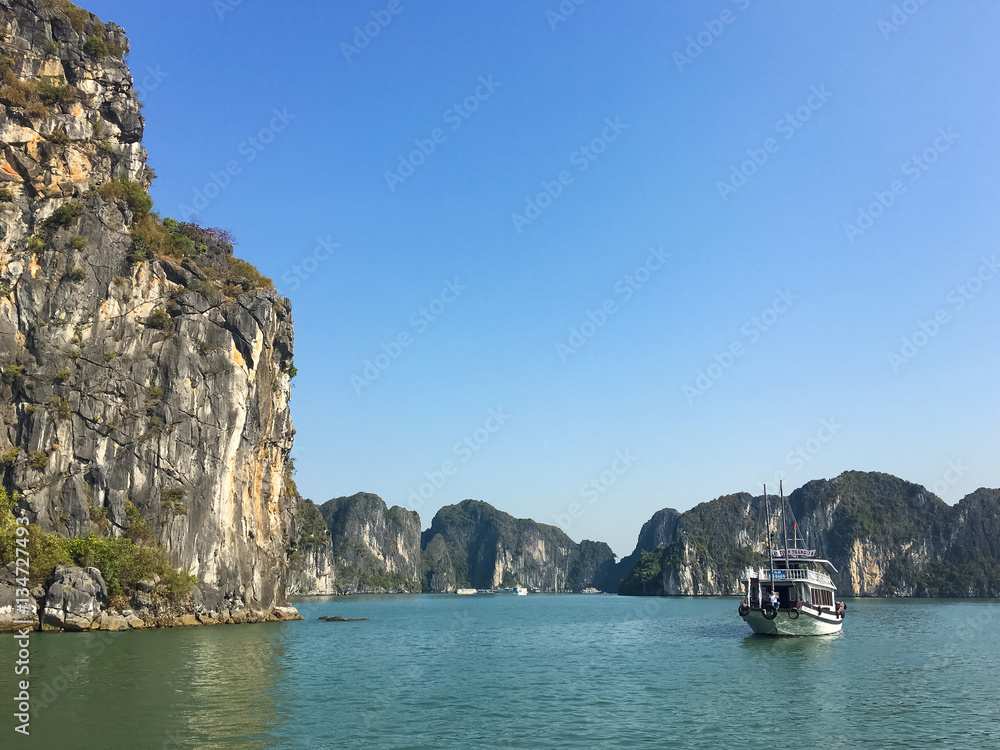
(886, 536)
(367, 548)
(472, 544)
(145, 369)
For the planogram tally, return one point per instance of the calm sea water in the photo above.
(501, 671)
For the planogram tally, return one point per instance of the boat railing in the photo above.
(790, 575)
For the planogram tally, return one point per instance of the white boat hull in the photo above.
(808, 622)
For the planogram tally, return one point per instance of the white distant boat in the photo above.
(590, 590)
(466, 592)
(793, 595)
(521, 590)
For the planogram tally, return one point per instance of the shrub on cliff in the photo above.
(171, 500)
(130, 191)
(77, 16)
(122, 561)
(60, 136)
(64, 216)
(52, 90)
(124, 564)
(11, 374)
(96, 47)
(160, 320)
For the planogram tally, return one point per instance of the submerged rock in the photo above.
(343, 619)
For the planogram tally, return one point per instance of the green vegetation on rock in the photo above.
(123, 562)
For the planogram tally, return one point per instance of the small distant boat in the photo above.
(590, 590)
(793, 595)
(466, 592)
(521, 590)
(536, 590)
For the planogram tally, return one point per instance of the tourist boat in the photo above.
(466, 592)
(590, 590)
(806, 602)
(521, 590)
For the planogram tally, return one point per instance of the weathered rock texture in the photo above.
(104, 406)
(75, 599)
(658, 531)
(312, 571)
(368, 548)
(886, 536)
(474, 544)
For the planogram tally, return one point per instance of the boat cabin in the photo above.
(799, 578)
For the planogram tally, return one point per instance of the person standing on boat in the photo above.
(775, 601)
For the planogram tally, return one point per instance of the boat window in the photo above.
(821, 597)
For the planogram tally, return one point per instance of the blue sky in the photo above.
(773, 228)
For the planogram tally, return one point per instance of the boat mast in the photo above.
(784, 526)
(767, 528)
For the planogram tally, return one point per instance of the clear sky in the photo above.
(674, 247)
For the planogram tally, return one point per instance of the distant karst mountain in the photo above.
(886, 536)
(472, 544)
(355, 545)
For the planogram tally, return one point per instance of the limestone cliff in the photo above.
(487, 548)
(143, 365)
(658, 531)
(886, 537)
(367, 548)
(312, 570)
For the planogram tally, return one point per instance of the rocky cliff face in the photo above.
(312, 570)
(142, 363)
(474, 544)
(368, 548)
(658, 531)
(438, 571)
(886, 537)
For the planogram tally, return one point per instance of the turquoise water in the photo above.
(558, 671)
